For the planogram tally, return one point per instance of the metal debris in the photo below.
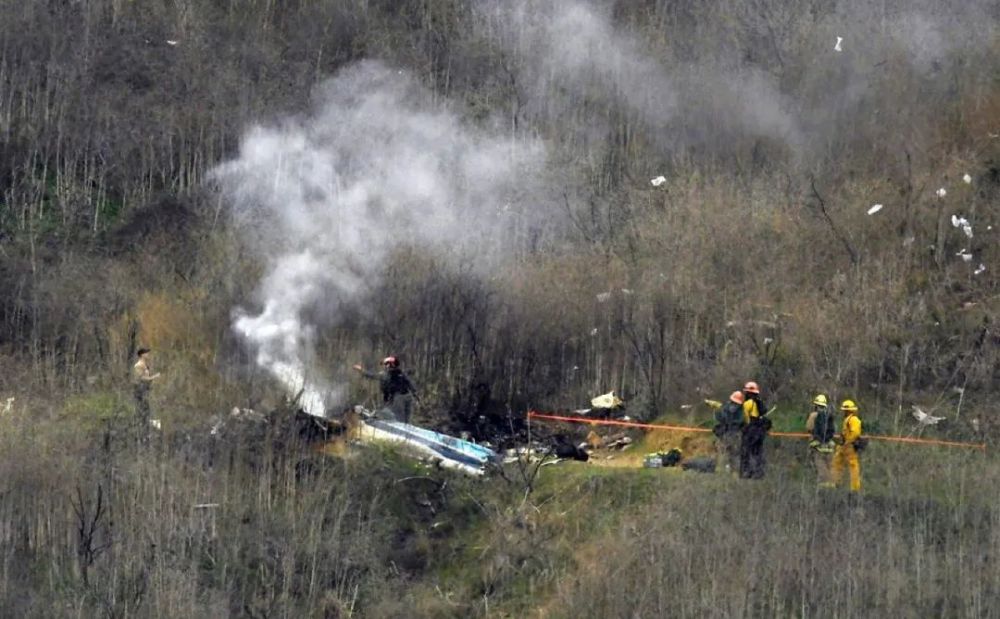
(874, 209)
(967, 179)
(925, 419)
(837, 47)
(941, 192)
(607, 400)
(980, 270)
(659, 180)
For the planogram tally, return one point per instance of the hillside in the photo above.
(528, 204)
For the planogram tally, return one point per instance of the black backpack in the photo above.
(825, 427)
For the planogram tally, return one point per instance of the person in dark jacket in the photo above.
(822, 427)
(397, 390)
(728, 423)
(755, 429)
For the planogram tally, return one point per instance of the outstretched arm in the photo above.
(365, 373)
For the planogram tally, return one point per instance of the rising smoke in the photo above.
(327, 198)
(705, 76)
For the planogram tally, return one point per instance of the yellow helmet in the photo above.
(848, 406)
(819, 400)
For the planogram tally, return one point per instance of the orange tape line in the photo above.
(657, 426)
(614, 422)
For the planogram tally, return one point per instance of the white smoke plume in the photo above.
(572, 58)
(326, 198)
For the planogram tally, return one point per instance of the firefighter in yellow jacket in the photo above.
(755, 428)
(847, 453)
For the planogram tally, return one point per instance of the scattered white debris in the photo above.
(837, 47)
(156, 424)
(8, 405)
(975, 425)
(603, 297)
(941, 192)
(593, 332)
(874, 209)
(963, 223)
(964, 255)
(626, 291)
(925, 419)
(958, 390)
(980, 270)
(909, 241)
(768, 340)
(659, 180)
(967, 179)
(171, 42)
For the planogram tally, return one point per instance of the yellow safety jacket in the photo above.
(851, 429)
(750, 411)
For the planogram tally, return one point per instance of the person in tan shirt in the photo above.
(142, 382)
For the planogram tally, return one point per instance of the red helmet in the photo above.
(751, 387)
(391, 361)
(737, 397)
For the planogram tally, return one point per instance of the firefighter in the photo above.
(847, 450)
(728, 423)
(397, 390)
(755, 428)
(821, 427)
(142, 383)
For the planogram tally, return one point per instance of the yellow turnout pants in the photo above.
(846, 455)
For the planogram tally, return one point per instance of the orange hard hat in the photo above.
(751, 387)
(737, 397)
